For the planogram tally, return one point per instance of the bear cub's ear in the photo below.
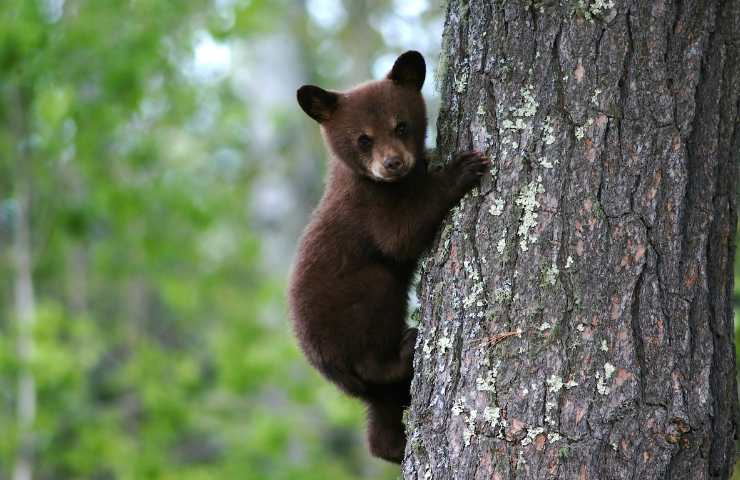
(318, 103)
(409, 70)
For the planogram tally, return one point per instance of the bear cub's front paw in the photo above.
(468, 167)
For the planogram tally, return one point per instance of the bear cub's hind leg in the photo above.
(399, 368)
(385, 432)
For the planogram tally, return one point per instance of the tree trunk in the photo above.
(25, 310)
(576, 316)
(25, 315)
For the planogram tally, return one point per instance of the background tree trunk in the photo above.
(576, 310)
(25, 305)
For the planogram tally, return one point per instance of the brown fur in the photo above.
(349, 286)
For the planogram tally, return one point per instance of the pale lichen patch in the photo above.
(517, 124)
(458, 407)
(580, 133)
(529, 105)
(601, 381)
(475, 297)
(555, 383)
(550, 275)
(469, 430)
(599, 7)
(492, 415)
(461, 81)
(601, 384)
(532, 433)
(595, 96)
(527, 199)
(520, 461)
(581, 130)
(497, 207)
(487, 383)
(549, 406)
(444, 343)
(427, 349)
(501, 245)
(549, 132)
(502, 293)
(520, 115)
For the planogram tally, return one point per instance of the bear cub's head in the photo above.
(378, 128)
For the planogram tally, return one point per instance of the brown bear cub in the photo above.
(380, 210)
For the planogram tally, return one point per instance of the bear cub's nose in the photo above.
(392, 163)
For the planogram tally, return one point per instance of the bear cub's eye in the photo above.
(402, 129)
(364, 142)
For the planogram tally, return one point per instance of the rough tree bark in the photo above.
(576, 317)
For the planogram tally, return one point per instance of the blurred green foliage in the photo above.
(161, 345)
(147, 131)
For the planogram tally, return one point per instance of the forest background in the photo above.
(155, 155)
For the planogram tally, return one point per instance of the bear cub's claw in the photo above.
(470, 166)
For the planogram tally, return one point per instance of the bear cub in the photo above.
(381, 209)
